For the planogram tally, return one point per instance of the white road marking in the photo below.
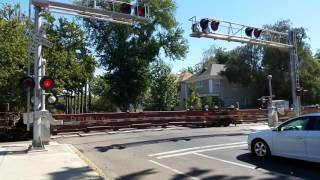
(173, 170)
(199, 151)
(238, 164)
(194, 148)
(225, 161)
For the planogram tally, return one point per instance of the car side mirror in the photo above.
(275, 129)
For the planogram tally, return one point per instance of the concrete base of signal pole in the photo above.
(272, 116)
(41, 130)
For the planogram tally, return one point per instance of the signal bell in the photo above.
(46, 83)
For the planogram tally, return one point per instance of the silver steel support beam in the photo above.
(232, 38)
(92, 13)
(37, 139)
(294, 74)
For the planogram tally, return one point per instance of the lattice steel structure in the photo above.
(230, 31)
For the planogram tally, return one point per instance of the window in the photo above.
(298, 124)
(315, 123)
(199, 84)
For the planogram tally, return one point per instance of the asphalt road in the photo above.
(179, 154)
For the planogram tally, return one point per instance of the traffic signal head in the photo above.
(204, 24)
(214, 25)
(27, 83)
(249, 31)
(46, 83)
(257, 33)
(140, 11)
(125, 8)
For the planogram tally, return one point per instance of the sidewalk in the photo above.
(56, 162)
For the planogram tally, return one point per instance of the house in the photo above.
(209, 82)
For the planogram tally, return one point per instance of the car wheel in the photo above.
(260, 148)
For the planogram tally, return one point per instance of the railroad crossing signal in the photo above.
(27, 83)
(204, 24)
(255, 31)
(83, 9)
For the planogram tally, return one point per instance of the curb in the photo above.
(87, 161)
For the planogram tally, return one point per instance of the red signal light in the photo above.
(214, 25)
(140, 11)
(257, 33)
(27, 83)
(46, 83)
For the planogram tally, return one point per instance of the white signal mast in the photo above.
(118, 12)
(230, 31)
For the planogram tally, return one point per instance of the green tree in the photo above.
(249, 65)
(193, 99)
(101, 97)
(13, 55)
(69, 62)
(163, 88)
(126, 52)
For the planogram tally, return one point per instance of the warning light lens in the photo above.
(204, 24)
(249, 31)
(257, 33)
(214, 25)
(125, 8)
(46, 83)
(140, 11)
(27, 83)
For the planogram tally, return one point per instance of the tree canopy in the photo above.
(13, 55)
(125, 52)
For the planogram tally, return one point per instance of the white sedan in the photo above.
(297, 138)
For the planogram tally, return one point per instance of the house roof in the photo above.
(213, 70)
(183, 76)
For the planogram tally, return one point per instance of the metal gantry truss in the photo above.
(92, 9)
(234, 32)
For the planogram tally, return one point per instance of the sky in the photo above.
(302, 13)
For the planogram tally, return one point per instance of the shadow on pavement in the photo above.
(74, 174)
(137, 175)
(140, 143)
(196, 172)
(193, 172)
(283, 168)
